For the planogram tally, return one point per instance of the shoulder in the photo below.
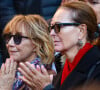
(94, 71)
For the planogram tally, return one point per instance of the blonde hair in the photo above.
(37, 30)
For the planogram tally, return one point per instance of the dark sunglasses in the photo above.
(17, 38)
(57, 26)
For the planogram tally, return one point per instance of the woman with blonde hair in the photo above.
(27, 39)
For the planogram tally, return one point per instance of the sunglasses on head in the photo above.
(17, 38)
(57, 26)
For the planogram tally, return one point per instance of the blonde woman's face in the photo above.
(23, 51)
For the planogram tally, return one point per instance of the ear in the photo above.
(83, 31)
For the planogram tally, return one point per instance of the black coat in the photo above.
(87, 69)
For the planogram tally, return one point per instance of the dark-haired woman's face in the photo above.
(95, 4)
(67, 36)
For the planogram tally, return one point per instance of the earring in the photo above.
(80, 43)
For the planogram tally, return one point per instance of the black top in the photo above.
(87, 69)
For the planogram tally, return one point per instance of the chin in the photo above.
(58, 50)
(17, 59)
(61, 50)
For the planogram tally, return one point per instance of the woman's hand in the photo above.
(36, 77)
(7, 74)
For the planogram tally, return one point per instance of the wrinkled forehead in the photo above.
(62, 15)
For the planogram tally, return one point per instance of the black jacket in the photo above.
(87, 69)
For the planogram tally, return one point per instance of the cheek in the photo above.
(65, 37)
(26, 49)
(69, 38)
(23, 53)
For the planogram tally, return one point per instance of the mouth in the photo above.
(56, 43)
(11, 52)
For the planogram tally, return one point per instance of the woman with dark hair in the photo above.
(73, 29)
(95, 4)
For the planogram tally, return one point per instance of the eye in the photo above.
(17, 39)
(17, 36)
(93, 2)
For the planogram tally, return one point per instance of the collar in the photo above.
(79, 55)
(36, 61)
(69, 67)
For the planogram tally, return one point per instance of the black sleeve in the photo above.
(49, 87)
(94, 72)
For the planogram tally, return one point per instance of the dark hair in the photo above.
(83, 14)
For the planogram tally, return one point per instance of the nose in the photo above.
(52, 33)
(11, 41)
